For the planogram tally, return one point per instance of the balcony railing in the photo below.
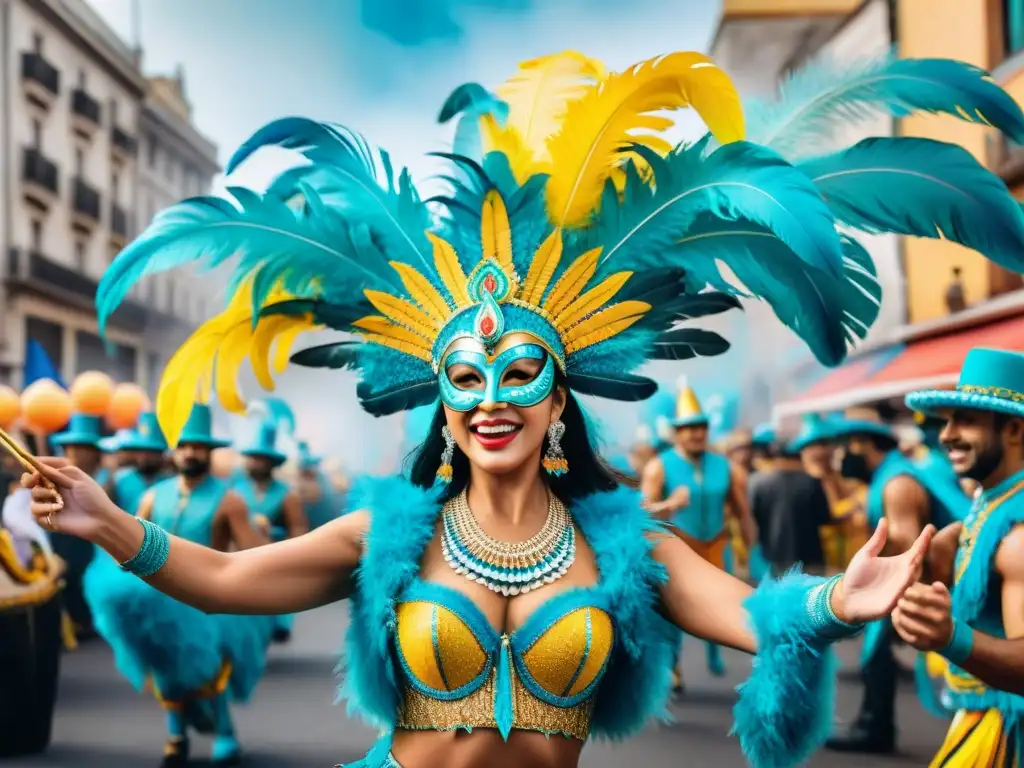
(123, 141)
(118, 220)
(84, 105)
(40, 171)
(86, 200)
(35, 67)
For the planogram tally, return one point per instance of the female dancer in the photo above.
(526, 601)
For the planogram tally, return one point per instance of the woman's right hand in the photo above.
(86, 507)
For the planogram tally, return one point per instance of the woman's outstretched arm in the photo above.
(287, 577)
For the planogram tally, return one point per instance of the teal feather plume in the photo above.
(382, 199)
(738, 181)
(469, 102)
(209, 230)
(926, 188)
(338, 317)
(621, 386)
(828, 96)
(340, 354)
(274, 411)
(687, 343)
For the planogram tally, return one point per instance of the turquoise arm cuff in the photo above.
(827, 626)
(156, 546)
(960, 644)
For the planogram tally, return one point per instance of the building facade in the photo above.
(73, 104)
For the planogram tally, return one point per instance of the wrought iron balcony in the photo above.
(86, 200)
(36, 69)
(39, 171)
(85, 106)
(124, 141)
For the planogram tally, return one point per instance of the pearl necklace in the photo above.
(508, 568)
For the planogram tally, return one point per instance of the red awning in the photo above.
(930, 362)
(851, 375)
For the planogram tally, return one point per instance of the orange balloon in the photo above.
(46, 406)
(91, 392)
(127, 402)
(10, 406)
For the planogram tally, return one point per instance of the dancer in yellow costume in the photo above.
(511, 598)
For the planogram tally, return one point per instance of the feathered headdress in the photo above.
(578, 223)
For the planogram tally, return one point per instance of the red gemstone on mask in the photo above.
(487, 326)
(490, 284)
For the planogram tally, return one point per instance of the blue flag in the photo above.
(38, 364)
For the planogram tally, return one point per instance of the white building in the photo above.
(71, 111)
(759, 42)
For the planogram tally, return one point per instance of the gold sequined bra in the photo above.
(461, 673)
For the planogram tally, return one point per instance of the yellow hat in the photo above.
(688, 410)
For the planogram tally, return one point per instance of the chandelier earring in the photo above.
(444, 472)
(554, 459)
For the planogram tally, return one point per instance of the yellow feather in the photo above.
(496, 234)
(591, 301)
(398, 345)
(571, 283)
(542, 267)
(618, 111)
(449, 268)
(275, 328)
(537, 95)
(422, 291)
(285, 342)
(508, 141)
(183, 376)
(401, 312)
(234, 347)
(604, 325)
(382, 327)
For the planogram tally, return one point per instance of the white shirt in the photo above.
(18, 520)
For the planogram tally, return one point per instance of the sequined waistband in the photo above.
(419, 712)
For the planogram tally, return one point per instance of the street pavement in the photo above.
(292, 722)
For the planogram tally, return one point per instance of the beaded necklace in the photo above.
(508, 568)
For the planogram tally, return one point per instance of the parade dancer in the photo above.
(984, 434)
(275, 508)
(694, 490)
(319, 499)
(910, 499)
(148, 449)
(557, 265)
(194, 662)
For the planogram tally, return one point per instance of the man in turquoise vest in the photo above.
(203, 509)
(318, 498)
(693, 489)
(275, 508)
(984, 435)
(147, 447)
(80, 443)
(910, 498)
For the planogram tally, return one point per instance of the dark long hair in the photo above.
(588, 472)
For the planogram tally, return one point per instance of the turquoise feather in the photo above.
(739, 181)
(210, 230)
(503, 692)
(470, 102)
(925, 188)
(687, 343)
(827, 97)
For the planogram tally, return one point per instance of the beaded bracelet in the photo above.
(156, 546)
(823, 618)
(960, 645)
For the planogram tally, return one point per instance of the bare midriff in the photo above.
(484, 748)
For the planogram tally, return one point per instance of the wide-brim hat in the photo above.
(763, 436)
(198, 430)
(990, 380)
(274, 455)
(147, 436)
(815, 429)
(265, 444)
(843, 428)
(83, 429)
(307, 460)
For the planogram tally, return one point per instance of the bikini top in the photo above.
(460, 672)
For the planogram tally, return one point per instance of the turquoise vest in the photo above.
(267, 502)
(977, 599)
(403, 518)
(130, 486)
(188, 516)
(704, 517)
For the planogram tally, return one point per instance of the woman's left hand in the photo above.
(872, 585)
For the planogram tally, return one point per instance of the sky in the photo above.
(383, 68)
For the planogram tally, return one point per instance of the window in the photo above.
(37, 42)
(37, 134)
(80, 255)
(115, 185)
(79, 162)
(113, 112)
(81, 79)
(37, 235)
(153, 150)
(1013, 26)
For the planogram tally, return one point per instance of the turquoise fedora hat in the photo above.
(82, 430)
(306, 458)
(147, 435)
(265, 445)
(815, 429)
(843, 428)
(198, 430)
(763, 436)
(990, 380)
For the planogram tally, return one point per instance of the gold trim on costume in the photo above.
(1003, 393)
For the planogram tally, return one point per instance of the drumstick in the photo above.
(26, 459)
